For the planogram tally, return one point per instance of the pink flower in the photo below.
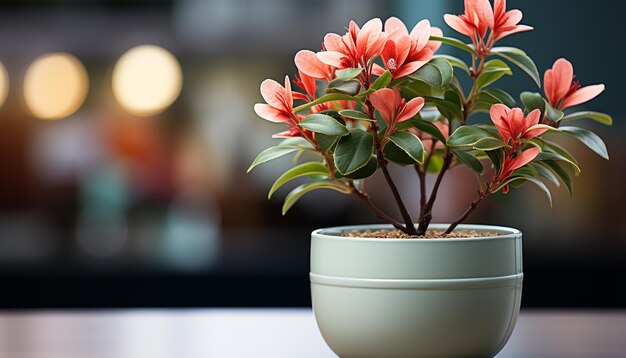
(514, 162)
(308, 84)
(308, 64)
(479, 17)
(506, 22)
(513, 126)
(355, 48)
(393, 108)
(279, 107)
(405, 53)
(561, 89)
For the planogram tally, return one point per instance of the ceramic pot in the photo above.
(416, 297)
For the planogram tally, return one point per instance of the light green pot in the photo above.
(416, 298)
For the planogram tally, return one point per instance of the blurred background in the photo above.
(126, 128)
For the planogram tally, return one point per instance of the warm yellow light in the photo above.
(4, 84)
(55, 86)
(146, 80)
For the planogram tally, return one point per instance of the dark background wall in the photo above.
(188, 227)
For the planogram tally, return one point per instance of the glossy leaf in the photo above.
(492, 72)
(353, 151)
(448, 109)
(353, 114)
(429, 128)
(272, 153)
(348, 73)
(469, 161)
(588, 138)
(410, 144)
(455, 62)
(467, 136)
(497, 158)
(325, 124)
(596, 116)
(537, 182)
(489, 143)
(349, 87)
(561, 173)
(546, 155)
(324, 99)
(520, 59)
(542, 170)
(382, 81)
(397, 155)
(454, 42)
(435, 164)
(366, 171)
(311, 168)
(437, 72)
(299, 191)
(563, 153)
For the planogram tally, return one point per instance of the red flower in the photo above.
(279, 107)
(308, 64)
(405, 53)
(355, 48)
(513, 162)
(561, 89)
(513, 126)
(393, 108)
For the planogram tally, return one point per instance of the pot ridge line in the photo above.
(453, 283)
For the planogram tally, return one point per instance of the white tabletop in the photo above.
(157, 333)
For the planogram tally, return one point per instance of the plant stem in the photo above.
(426, 214)
(382, 162)
(379, 213)
(481, 196)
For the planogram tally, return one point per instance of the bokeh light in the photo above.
(146, 80)
(4, 84)
(55, 86)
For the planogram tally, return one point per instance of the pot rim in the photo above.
(503, 232)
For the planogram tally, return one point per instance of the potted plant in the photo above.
(380, 94)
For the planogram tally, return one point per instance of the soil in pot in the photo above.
(431, 234)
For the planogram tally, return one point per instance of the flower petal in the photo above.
(583, 95)
(435, 45)
(458, 25)
(270, 113)
(536, 130)
(271, 90)
(498, 113)
(410, 109)
(563, 73)
(408, 68)
(333, 42)
(384, 101)
(420, 34)
(331, 58)
(526, 157)
(394, 27)
(368, 36)
(308, 63)
(518, 28)
(532, 118)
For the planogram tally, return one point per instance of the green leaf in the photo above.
(382, 81)
(350, 87)
(588, 138)
(596, 116)
(497, 158)
(501, 96)
(366, 171)
(454, 42)
(324, 99)
(414, 88)
(325, 124)
(520, 59)
(469, 161)
(353, 151)
(447, 108)
(541, 169)
(348, 73)
(311, 168)
(489, 143)
(353, 114)
(532, 101)
(299, 191)
(531, 179)
(545, 155)
(437, 72)
(435, 164)
(428, 127)
(272, 153)
(455, 62)
(397, 155)
(410, 144)
(492, 72)
(467, 136)
(296, 142)
(564, 155)
(562, 173)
